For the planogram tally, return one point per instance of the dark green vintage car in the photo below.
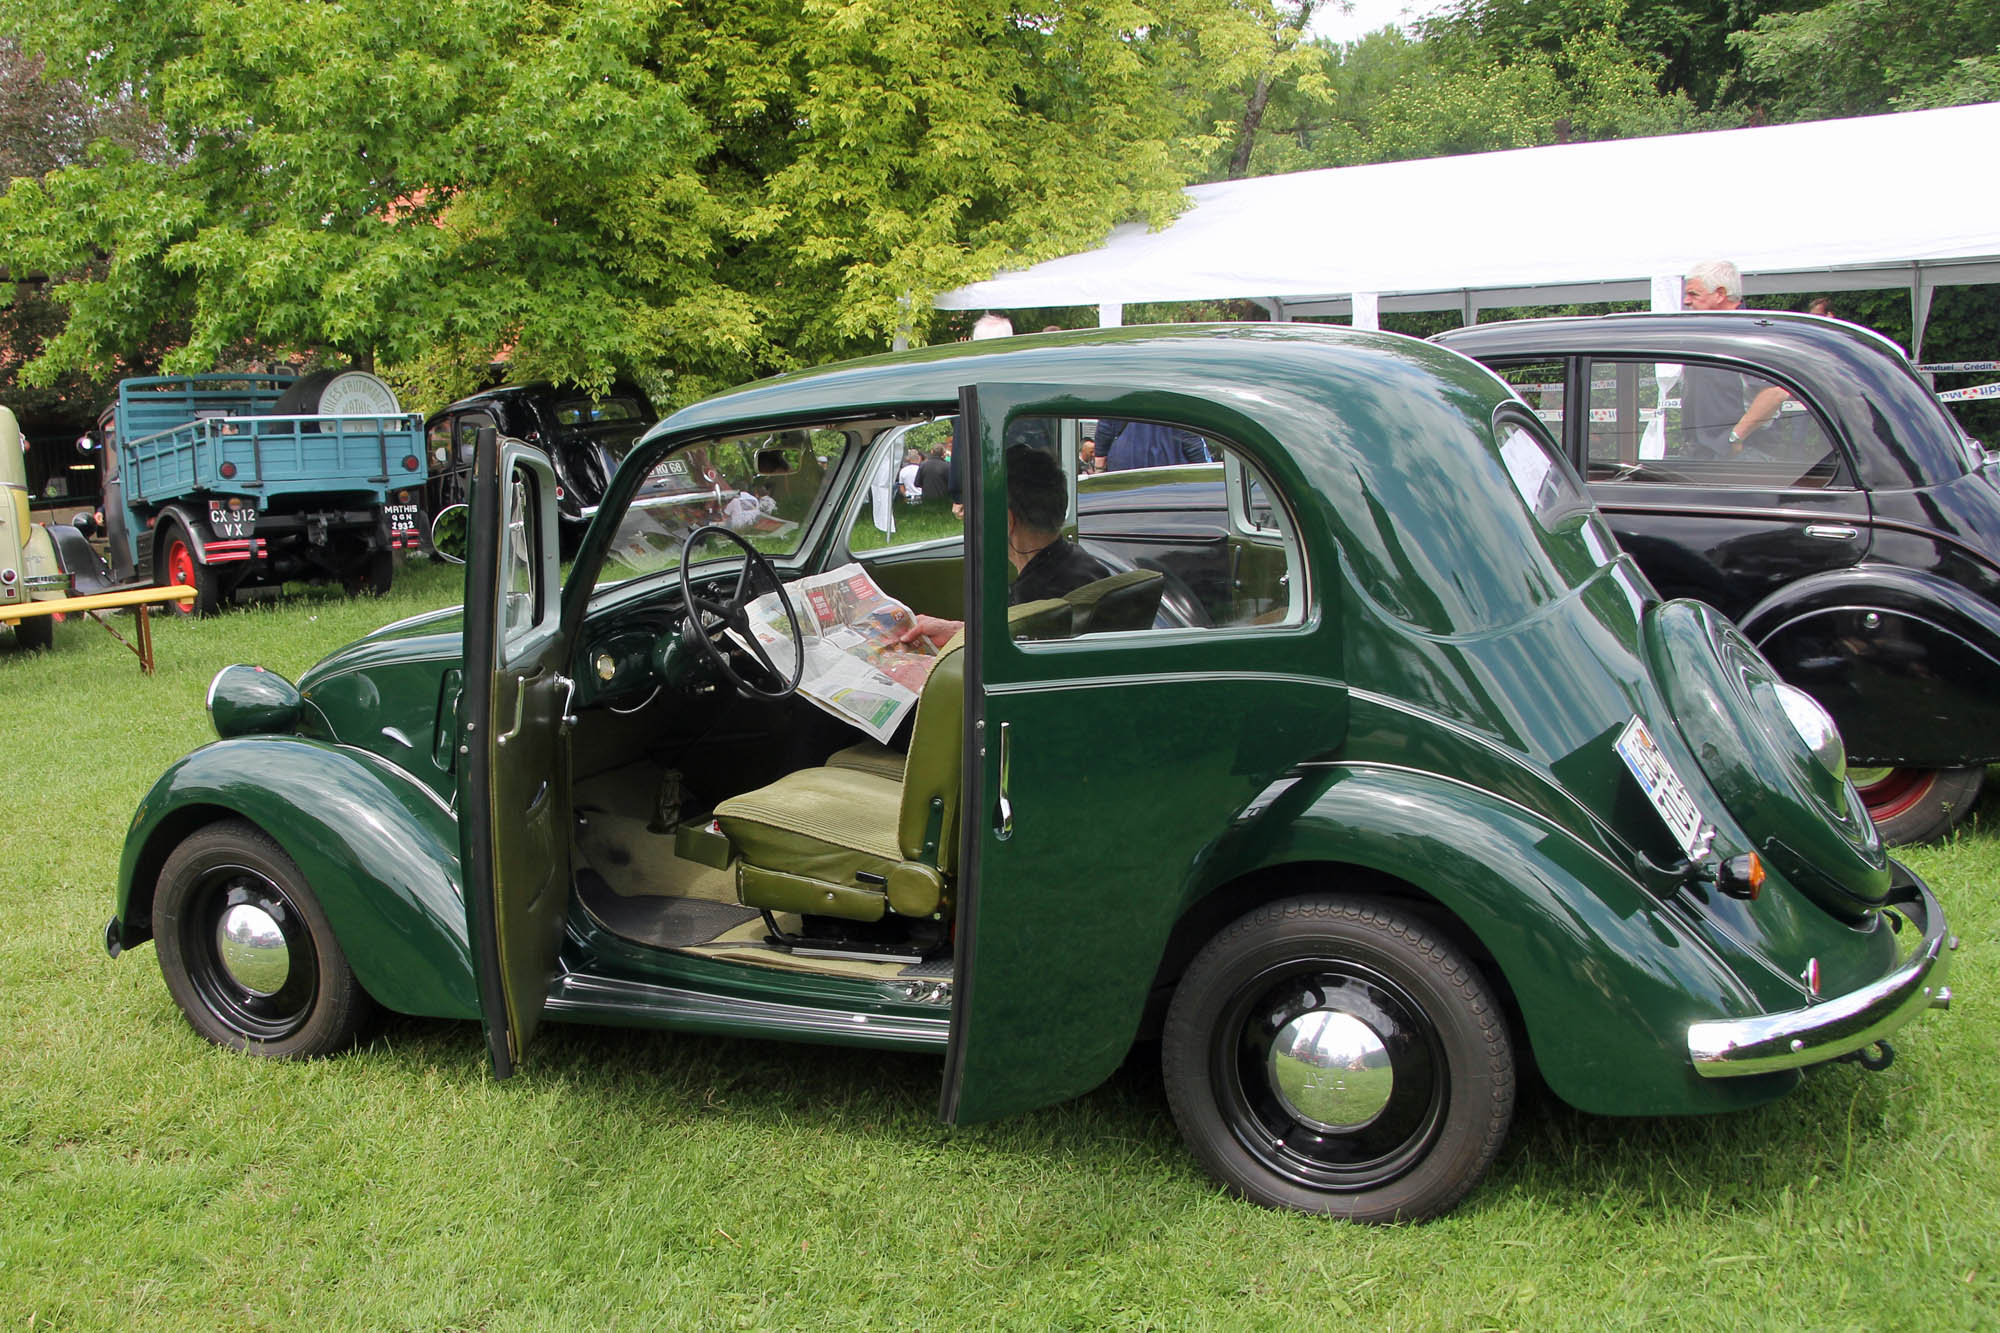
(1399, 777)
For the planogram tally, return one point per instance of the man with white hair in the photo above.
(1720, 409)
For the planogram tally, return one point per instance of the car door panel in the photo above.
(514, 784)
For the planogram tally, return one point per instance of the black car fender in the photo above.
(1907, 663)
(79, 559)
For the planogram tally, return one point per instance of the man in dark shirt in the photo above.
(1046, 564)
(933, 476)
(1124, 445)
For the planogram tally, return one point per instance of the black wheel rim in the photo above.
(255, 1013)
(1368, 1150)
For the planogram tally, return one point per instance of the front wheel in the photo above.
(247, 951)
(1917, 804)
(180, 565)
(375, 578)
(1336, 1055)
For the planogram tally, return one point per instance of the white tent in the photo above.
(1907, 200)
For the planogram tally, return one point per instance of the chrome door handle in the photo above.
(569, 698)
(1003, 823)
(1838, 532)
(520, 707)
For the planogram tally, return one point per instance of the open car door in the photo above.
(513, 752)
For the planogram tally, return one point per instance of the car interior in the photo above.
(766, 830)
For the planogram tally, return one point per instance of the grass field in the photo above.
(644, 1180)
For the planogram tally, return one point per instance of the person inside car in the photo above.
(1046, 563)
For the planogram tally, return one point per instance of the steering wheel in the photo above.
(707, 619)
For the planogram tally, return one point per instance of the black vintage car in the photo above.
(1797, 473)
(585, 437)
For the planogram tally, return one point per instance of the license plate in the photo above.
(1663, 786)
(229, 522)
(402, 518)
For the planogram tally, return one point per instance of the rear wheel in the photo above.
(179, 564)
(1336, 1055)
(1917, 804)
(35, 632)
(247, 952)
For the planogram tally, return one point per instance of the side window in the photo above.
(1195, 541)
(914, 492)
(1653, 422)
(1540, 383)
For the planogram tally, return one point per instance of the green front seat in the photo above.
(854, 842)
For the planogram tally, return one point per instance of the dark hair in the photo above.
(1037, 491)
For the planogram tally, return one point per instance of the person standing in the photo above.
(1123, 445)
(934, 477)
(1720, 409)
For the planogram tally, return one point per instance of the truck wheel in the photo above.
(248, 953)
(1917, 804)
(375, 579)
(179, 564)
(35, 632)
(1336, 1055)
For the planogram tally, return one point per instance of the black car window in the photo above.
(1541, 386)
(1704, 424)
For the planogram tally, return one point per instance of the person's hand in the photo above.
(938, 631)
(958, 511)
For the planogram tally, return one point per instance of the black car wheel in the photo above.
(1336, 1055)
(1917, 804)
(247, 952)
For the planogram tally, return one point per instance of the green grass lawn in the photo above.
(648, 1180)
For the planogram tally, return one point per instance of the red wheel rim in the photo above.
(1896, 792)
(180, 569)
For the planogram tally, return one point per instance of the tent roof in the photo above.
(1821, 205)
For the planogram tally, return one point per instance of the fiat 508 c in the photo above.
(1416, 781)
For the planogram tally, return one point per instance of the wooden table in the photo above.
(139, 599)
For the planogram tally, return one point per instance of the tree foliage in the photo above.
(1857, 57)
(722, 187)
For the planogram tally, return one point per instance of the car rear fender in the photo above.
(1907, 663)
(1605, 977)
(378, 850)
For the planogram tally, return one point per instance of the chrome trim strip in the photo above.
(643, 1004)
(1795, 1038)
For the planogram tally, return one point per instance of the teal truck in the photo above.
(229, 481)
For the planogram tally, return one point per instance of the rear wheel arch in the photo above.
(1273, 883)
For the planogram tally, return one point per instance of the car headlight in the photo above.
(245, 700)
(1815, 727)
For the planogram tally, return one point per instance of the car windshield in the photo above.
(765, 486)
(592, 412)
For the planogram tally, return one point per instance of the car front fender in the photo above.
(1605, 977)
(377, 848)
(1907, 663)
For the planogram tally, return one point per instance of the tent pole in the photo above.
(1110, 315)
(1922, 289)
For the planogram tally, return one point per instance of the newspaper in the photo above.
(855, 667)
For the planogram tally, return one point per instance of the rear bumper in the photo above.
(1732, 1047)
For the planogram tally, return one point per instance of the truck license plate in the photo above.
(229, 522)
(402, 520)
(1663, 786)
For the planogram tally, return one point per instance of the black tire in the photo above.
(279, 985)
(1424, 1089)
(375, 578)
(35, 632)
(1912, 805)
(177, 563)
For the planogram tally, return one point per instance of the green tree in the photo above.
(718, 187)
(1858, 57)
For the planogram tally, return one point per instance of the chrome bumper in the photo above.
(1732, 1047)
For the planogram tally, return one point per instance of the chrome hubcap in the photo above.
(1331, 1070)
(250, 944)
